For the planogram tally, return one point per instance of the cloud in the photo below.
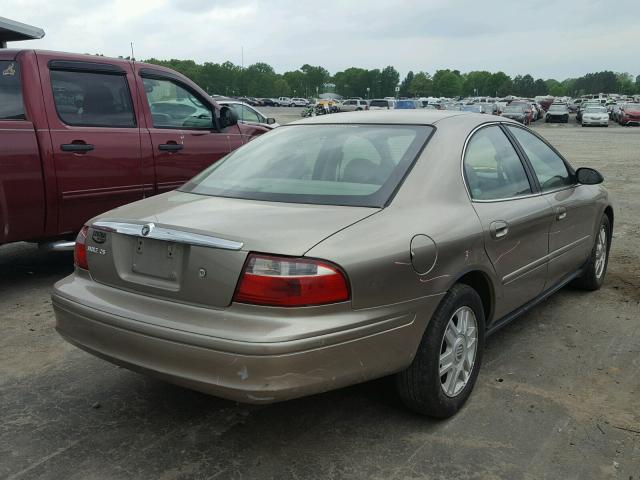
(544, 38)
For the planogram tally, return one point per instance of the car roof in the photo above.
(394, 117)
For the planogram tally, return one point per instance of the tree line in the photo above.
(261, 80)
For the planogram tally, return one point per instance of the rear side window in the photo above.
(549, 168)
(173, 106)
(92, 99)
(492, 167)
(11, 107)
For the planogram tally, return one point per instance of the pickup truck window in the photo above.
(92, 99)
(11, 107)
(173, 106)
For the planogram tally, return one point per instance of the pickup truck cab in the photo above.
(83, 134)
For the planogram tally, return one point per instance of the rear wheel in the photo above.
(596, 267)
(445, 368)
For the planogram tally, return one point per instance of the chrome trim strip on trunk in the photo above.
(150, 230)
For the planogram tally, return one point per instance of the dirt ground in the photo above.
(558, 395)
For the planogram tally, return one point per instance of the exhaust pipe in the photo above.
(58, 246)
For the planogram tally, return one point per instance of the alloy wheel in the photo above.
(458, 351)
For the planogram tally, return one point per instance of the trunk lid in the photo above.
(177, 260)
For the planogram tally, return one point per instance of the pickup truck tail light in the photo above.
(80, 249)
(290, 282)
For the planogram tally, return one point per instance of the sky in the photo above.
(545, 38)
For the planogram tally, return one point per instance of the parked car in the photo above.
(472, 107)
(353, 105)
(284, 102)
(408, 104)
(516, 112)
(595, 116)
(299, 102)
(527, 108)
(382, 104)
(269, 303)
(557, 112)
(268, 102)
(583, 106)
(82, 134)
(629, 114)
(249, 115)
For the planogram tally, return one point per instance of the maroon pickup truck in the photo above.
(82, 134)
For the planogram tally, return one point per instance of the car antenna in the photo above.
(133, 58)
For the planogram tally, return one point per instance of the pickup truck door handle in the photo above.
(76, 147)
(561, 213)
(170, 147)
(499, 229)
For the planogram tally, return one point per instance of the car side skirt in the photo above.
(510, 317)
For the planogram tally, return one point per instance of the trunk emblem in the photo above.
(147, 229)
(202, 273)
(99, 237)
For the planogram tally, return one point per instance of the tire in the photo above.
(593, 276)
(420, 386)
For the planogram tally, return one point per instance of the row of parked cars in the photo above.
(273, 102)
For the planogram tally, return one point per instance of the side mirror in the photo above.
(228, 117)
(589, 176)
(271, 121)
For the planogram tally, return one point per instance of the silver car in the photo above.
(336, 250)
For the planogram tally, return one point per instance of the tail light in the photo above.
(290, 282)
(80, 249)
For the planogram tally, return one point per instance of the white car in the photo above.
(283, 102)
(353, 105)
(299, 102)
(382, 104)
(593, 115)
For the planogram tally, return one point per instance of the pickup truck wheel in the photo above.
(596, 267)
(445, 368)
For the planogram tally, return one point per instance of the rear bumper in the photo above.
(251, 370)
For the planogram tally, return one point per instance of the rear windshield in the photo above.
(358, 165)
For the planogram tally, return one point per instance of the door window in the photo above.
(92, 99)
(549, 168)
(246, 114)
(173, 106)
(492, 167)
(11, 107)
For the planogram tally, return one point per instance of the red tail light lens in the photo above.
(290, 282)
(80, 250)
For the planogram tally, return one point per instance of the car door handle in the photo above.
(499, 229)
(170, 147)
(76, 147)
(561, 213)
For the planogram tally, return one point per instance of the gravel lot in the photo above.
(557, 396)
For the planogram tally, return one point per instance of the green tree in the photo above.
(405, 86)
(477, 83)
(421, 85)
(540, 87)
(500, 85)
(447, 83)
(389, 79)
